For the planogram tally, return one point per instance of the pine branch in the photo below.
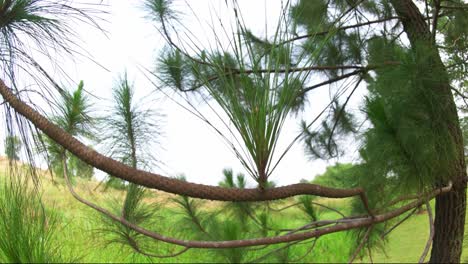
(462, 7)
(344, 76)
(156, 181)
(321, 33)
(341, 113)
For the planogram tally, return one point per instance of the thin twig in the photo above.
(431, 233)
(363, 241)
(369, 252)
(312, 202)
(283, 208)
(307, 253)
(273, 252)
(329, 208)
(321, 33)
(399, 223)
(330, 81)
(151, 255)
(341, 113)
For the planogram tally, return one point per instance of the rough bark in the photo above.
(450, 207)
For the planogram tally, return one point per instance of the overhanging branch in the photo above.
(159, 182)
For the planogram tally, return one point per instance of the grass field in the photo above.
(79, 238)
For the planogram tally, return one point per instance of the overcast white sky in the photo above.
(190, 146)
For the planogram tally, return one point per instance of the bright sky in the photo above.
(189, 145)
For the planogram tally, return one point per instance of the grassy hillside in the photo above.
(81, 238)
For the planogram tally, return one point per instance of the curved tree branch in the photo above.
(290, 237)
(156, 181)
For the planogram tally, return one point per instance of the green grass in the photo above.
(78, 237)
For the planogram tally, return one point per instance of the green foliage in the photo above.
(307, 207)
(75, 118)
(336, 176)
(454, 29)
(75, 115)
(78, 168)
(131, 129)
(135, 211)
(340, 48)
(464, 126)
(130, 132)
(325, 142)
(310, 14)
(158, 10)
(40, 24)
(253, 85)
(12, 147)
(228, 181)
(409, 139)
(28, 230)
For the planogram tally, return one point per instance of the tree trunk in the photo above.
(450, 207)
(449, 226)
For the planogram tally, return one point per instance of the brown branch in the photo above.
(355, 223)
(329, 208)
(283, 208)
(344, 76)
(282, 70)
(137, 248)
(431, 233)
(465, 7)
(321, 33)
(175, 254)
(315, 203)
(333, 80)
(322, 223)
(156, 181)
(360, 68)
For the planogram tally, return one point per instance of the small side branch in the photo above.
(399, 223)
(322, 33)
(361, 245)
(431, 233)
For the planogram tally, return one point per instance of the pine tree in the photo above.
(415, 135)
